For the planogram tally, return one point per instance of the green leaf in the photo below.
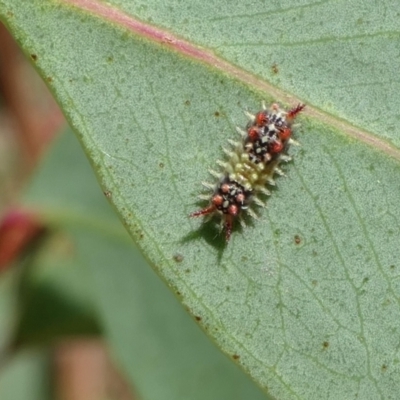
(8, 311)
(55, 296)
(154, 339)
(306, 298)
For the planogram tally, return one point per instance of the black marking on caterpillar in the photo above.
(251, 166)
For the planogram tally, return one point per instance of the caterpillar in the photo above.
(250, 167)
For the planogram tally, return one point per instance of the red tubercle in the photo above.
(217, 200)
(240, 198)
(225, 188)
(276, 147)
(233, 210)
(253, 133)
(261, 119)
(285, 134)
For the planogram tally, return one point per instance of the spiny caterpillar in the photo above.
(251, 166)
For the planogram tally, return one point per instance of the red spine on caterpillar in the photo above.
(292, 113)
(251, 166)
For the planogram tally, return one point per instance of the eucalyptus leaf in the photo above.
(306, 298)
(156, 344)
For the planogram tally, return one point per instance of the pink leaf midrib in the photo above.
(186, 48)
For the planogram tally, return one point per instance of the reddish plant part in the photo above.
(18, 229)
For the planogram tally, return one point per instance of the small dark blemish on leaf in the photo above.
(217, 114)
(325, 345)
(297, 239)
(384, 368)
(178, 257)
(34, 57)
(187, 103)
(178, 293)
(274, 68)
(235, 357)
(49, 79)
(110, 59)
(386, 303)
(197, 318)
(161, 165)
(108, 194)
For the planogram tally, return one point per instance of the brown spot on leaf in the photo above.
(178, 257)
(34, 57)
